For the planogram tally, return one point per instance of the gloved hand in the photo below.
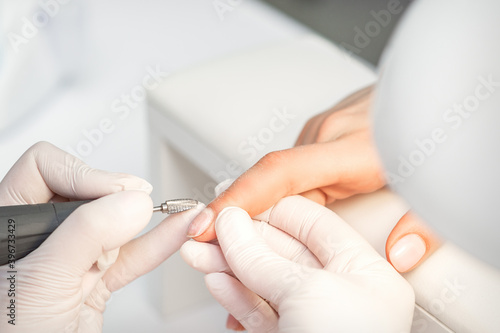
(307, 271)
(64, 284)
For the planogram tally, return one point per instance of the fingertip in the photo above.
(407, 252)
(101, 225)
(216, 282)
(229, 211)
(191, 253)
(125, 182)
(136, 202)
(228, 215)
(125, 213)
(187, 252)
(201, 228)
(410, 243)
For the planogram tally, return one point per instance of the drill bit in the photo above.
(175, 206)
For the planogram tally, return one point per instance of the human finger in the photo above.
(410, 243)
(286, 246)
(143, 254)
(334, 243)
(208, 258)
(255, 314)
(204, 257)
(45, 171)
(250, 258)
(92, 230)
(334, 122)
(337, 165)
(233, 323)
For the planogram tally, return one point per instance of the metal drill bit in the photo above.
(175, 206)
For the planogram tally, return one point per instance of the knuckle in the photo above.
(76, 172)
(332, 127)
(273, 159)
(309, 123)
(39, 151)
(40, 146)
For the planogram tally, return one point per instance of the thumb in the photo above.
(250, 258)
(410, 243)
(93, 229)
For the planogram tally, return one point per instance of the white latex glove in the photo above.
(316, 272)
(64, 284)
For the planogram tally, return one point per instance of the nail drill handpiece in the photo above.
(24, 228)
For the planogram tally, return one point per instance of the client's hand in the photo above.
(335, 158)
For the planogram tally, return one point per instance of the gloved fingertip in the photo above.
(231, 213)
(131, 183)
(216, 282)
(132, 208)
(225, 221)
(189, 253)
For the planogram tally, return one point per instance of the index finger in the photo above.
(143, 254)
(280, 174)
(337, 245)
(45, 170)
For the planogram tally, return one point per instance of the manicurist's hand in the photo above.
(64, 284)
(300, 269)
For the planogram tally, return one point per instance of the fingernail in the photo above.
(407, 252)
(134, 183)
(200, 223)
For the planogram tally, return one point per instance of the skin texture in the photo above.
(334, 158)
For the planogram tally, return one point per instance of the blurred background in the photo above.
(338, 20)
